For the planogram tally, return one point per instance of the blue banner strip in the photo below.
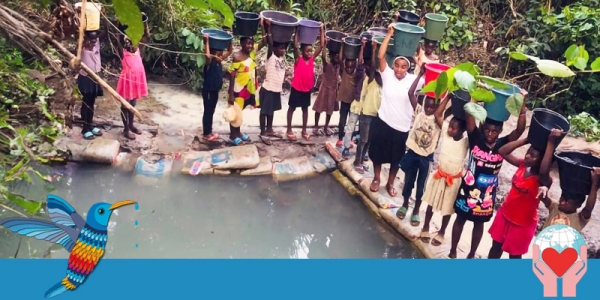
(287, 279)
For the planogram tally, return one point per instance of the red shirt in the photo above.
(304, 74)
(521, 204)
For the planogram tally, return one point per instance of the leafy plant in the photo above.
(585, 125)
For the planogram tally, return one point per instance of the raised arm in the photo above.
(522, 123)
(586, 212)
(507, 150)
(439, 112)
(383, 48)
(269, 38)
(412, 96)
(321, 42)
(296, 47)
(324, 56)
(470, 121)
(207, 51)
(226, 53)
(549, 153)
(263, 41)
(361, 57)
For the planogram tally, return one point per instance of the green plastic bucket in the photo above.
(379, 40)
(435, 26)
(406, 39)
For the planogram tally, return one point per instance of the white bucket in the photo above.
(92, 15)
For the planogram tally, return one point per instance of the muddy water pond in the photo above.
(217, 217)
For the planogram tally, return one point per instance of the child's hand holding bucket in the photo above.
(391, 29)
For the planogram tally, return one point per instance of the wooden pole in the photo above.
(82, 25)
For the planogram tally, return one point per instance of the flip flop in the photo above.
(245, 138)
(329, 132)
(401, 213)
(391, 190)
(376, 184)
(274, 135)
(425, 237)
(415, 220)
(211, 138)
(265, 140)
(96, 132)
(438, 240)
(237, 141)
(89, 135)
(306, 137)
(359, 169)
(292, 137)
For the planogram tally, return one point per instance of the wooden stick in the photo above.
(82, 28)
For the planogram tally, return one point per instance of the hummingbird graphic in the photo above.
(85, 240)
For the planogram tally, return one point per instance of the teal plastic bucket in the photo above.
(497, 110)
(406, 39)
(435, 26)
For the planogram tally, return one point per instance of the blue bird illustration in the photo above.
(85, 240)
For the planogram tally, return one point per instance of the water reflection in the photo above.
(227, 217)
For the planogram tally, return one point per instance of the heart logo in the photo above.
(559, 262)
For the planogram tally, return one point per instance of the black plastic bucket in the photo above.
(334, 44)
(378, 31)
(246, 24)
(408, 17)
(217, 39)
(459, 99)
(574, 170)
(368, 52)
(351, 47)
(283, 25)
(542, 122)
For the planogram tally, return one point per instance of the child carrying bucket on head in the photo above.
(326, 101)
(303, 83)
(350, 75)
(213, 82)
(270, 92)
(477, 194)
(132, 85)
(355, 107)
(243, 84)
(370, 98)
(516, 220)
(421, 143)
(565, 212)
(443, 186)
(426, 54)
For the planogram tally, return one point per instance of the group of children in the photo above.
(132, 84)
(397, 125)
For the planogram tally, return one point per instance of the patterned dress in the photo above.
(245, 82)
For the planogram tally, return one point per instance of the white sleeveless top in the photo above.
(275, 76)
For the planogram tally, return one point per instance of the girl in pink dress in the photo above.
(132, 83)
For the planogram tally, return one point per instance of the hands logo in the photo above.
(84, 239)
(559, 251)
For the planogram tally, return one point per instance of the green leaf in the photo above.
(469, 67)
(197, 42)
(465, 80)
(596, 64)
(572, 52)
(493, 82)
(190, 39)
(442, 84)
(554, 68)
(518, 56)
(224, 10)
(430, 87)
(186, 32)
(483, 95)
(129, 14)
(31, 207)
(580, 63)
(200, 4)
(475, 110)
(200, 61)
(514, 103)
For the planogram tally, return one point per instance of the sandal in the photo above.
(274, 135)
(374, 187)
(329, 132)
(401, 213)
(391, 190)
(339, 144)
(245, 138)
(317, 131)
(128, 136)
(96, 132)
(415, 220)
(266, 140)
(237, 141)
(425, 237)
(89, 135)
(213, 137)
(365, 167)
(438, 240)
(292, 137)
(359, 169)
(306, 137)
(135, 130)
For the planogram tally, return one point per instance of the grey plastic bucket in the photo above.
(283, 25)
(246, 23)
(308, 31)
